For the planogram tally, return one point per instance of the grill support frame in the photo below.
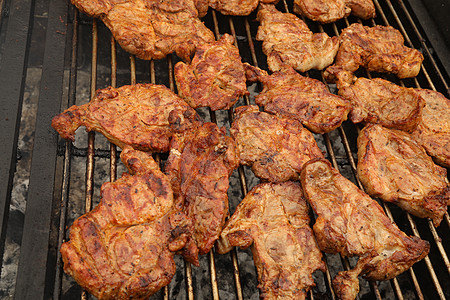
(33, 271)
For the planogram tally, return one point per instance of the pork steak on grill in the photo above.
(275, 147)
(382, 102)
(287, 40)
(289, 94)
(433, 131)
(327, 11)
(214, 78)
(152, 29)
(275, 219)
(393, 167)
(143, 116)
(379, 48)
(199, 165)
(124, 248)
(351, 223)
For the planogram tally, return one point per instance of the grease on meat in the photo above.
(383, 102)
(152, 29)
(433, 131)
(379, 48)
(327, 11)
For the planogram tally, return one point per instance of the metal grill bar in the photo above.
(67, 159)
(89, 192)
(37, 223)
(14, 58)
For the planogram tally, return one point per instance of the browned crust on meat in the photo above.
(275, 219)
(349, 222)
(383, 102)
(214, 78)
(287, 40)
(327, 11)
(143, 116)
(433, 131)
(379, 48)
(275, 147)
(289, 94)
(198, 167)
(124, 247)
(393, 167)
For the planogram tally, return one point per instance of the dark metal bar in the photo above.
(189, 283)
(212, 272)
(427, 261)
(447, 218)
(91, 136)
(33, 264)
(432, 33)
(13, 61)
(250, 43)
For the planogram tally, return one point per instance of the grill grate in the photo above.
(52, 174)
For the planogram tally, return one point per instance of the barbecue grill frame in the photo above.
(39, 266)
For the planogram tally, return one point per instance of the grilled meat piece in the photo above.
(327, 11)
(351, 223)
(199, 165)
(234, 7)
(433, 131)
(96, 8)
(378, 48)
(202, 7)
(287, 40)
(152, 29)
(274, 217)
(275, 147)
(305, 99)
(382, 102)
(393, 167)
(237, 7)
(143, 116)
(214, 78)
(124, 248)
